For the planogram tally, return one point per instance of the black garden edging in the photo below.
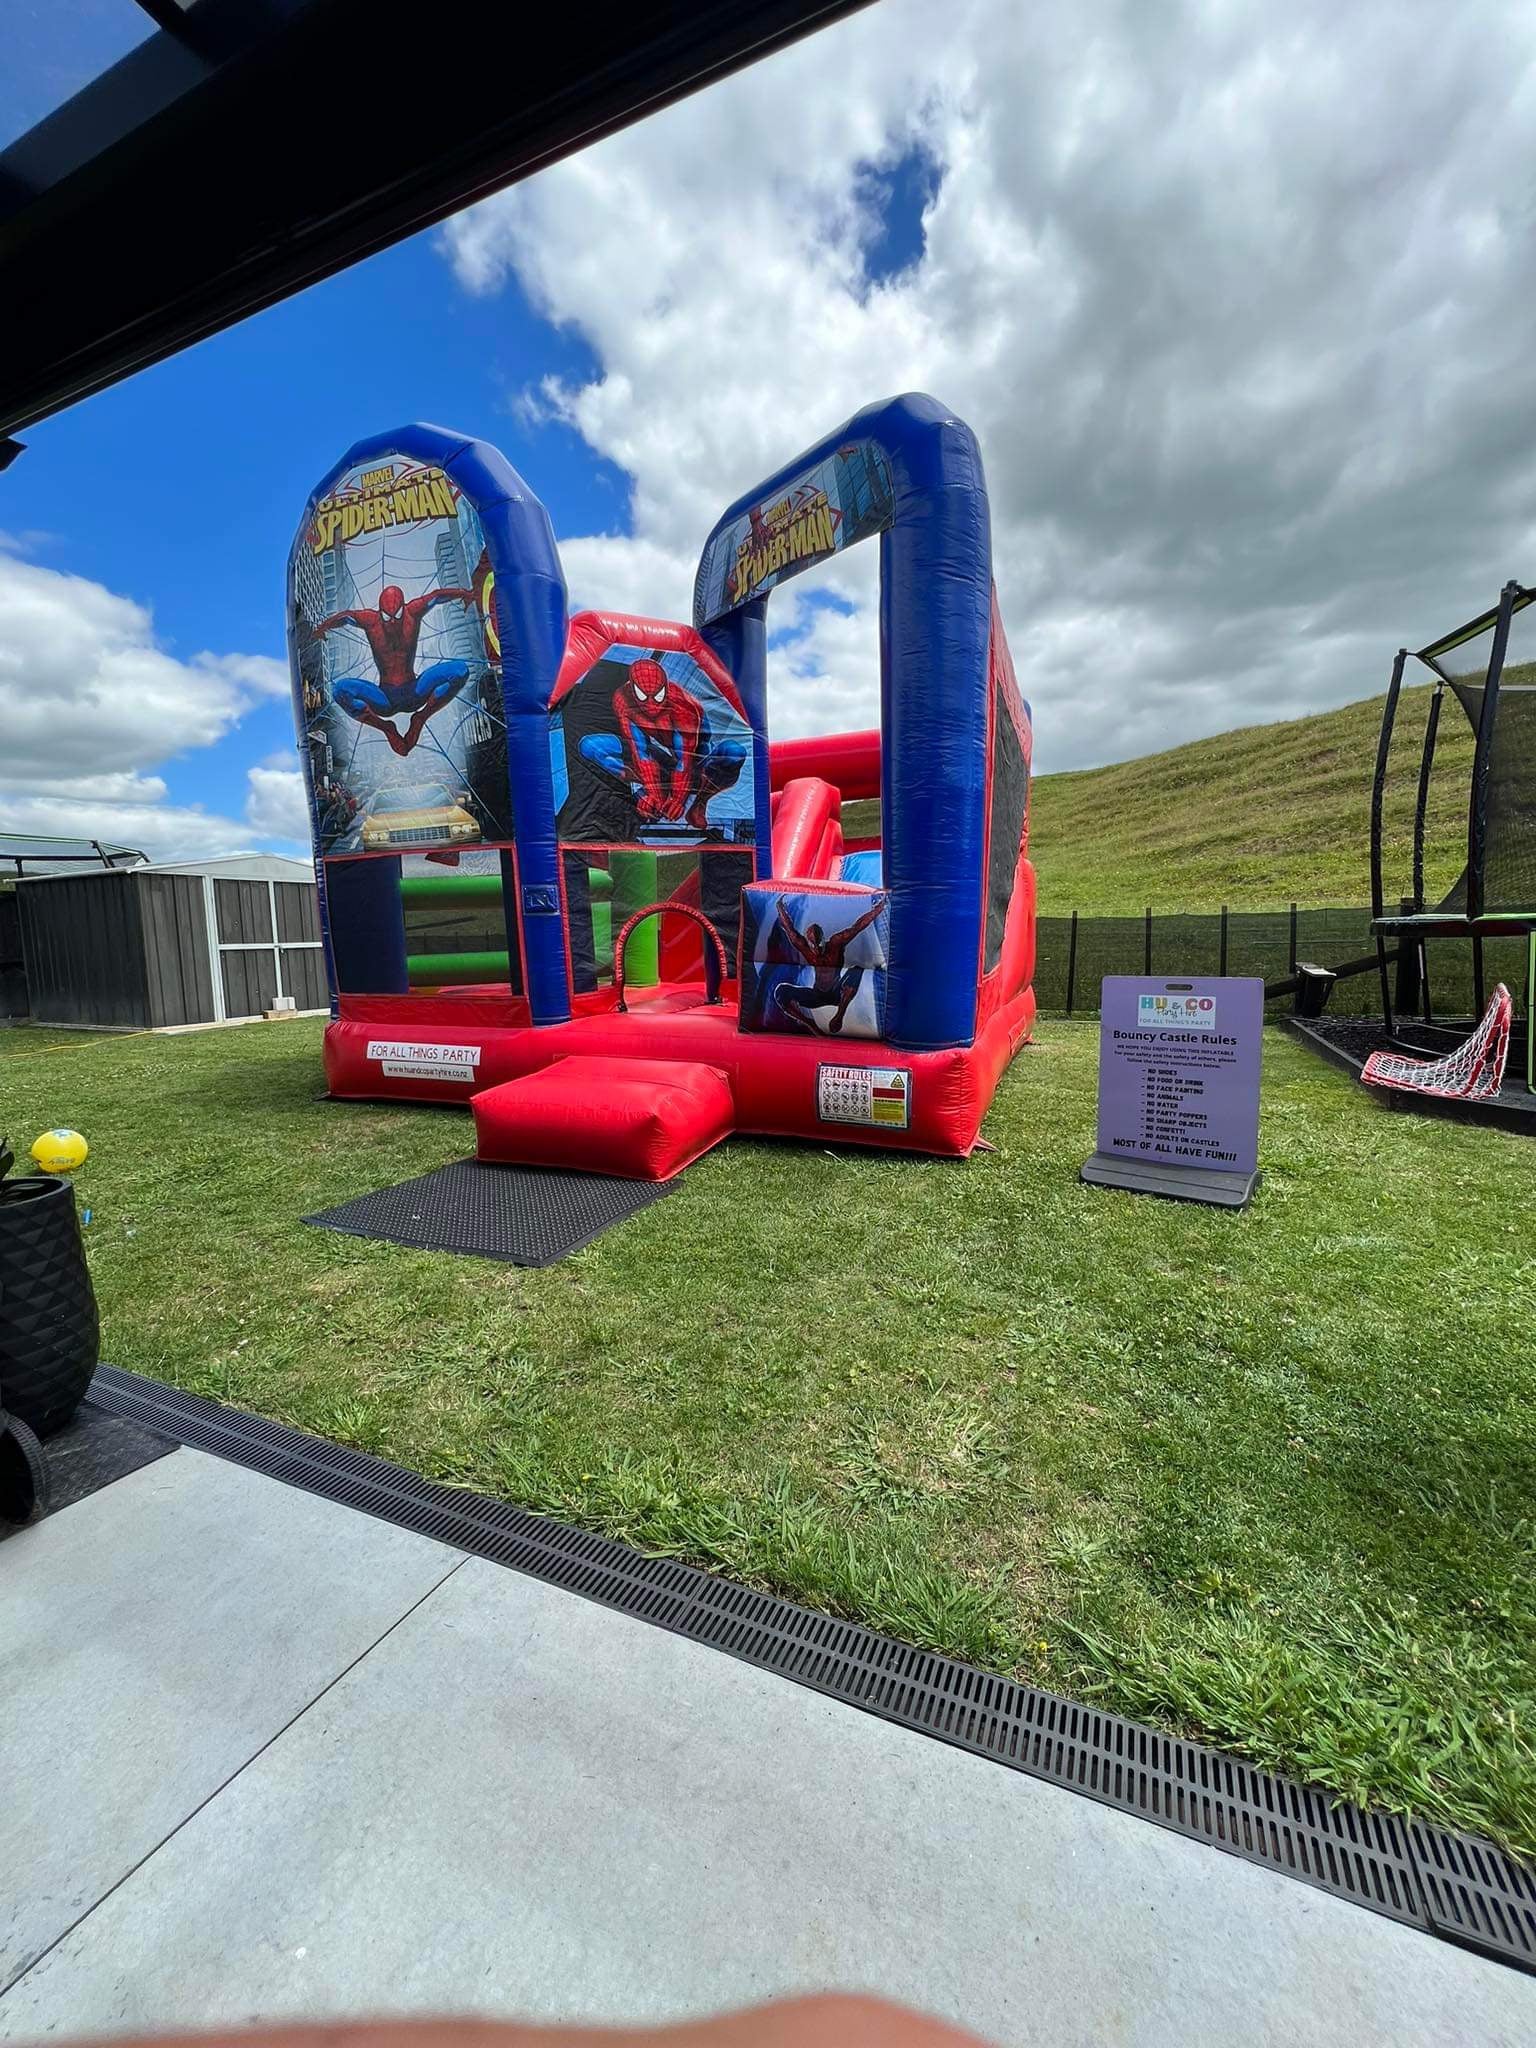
(1452, 1885)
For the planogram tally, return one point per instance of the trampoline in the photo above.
(1494, 895)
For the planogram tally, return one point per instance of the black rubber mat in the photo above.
(1452, 1885)
(527, 1215)
(88, 1453)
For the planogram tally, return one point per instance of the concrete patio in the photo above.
(266, 1758)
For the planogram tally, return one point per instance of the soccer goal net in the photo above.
(1474, 1070)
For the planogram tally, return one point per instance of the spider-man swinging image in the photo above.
(392, 633)
(833, 985)
(665, 755)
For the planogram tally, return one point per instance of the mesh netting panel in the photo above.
(1005, 832)
(860, 820)
(1451, 966)
(1335, 938)
(1330, 936)
(1472, 1071)
(1107, 945)
(1503, 960)
(1448, 797)
(1186, 944)
(1053, 946)
(1259, 942)
(1509, 844)
(1431, 874)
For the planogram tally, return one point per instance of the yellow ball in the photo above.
(59, 1151)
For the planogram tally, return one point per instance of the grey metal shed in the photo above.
(186, 942)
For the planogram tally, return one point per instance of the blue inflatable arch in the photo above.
(364, 941)
(910, 471)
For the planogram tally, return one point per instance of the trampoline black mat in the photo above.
(90, 1452)
(525, 1215)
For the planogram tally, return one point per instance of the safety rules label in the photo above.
(413, 1060)
(864, 1095)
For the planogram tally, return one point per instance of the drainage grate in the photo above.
(1475, 1895)
(1460, 1888)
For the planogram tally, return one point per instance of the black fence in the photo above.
(1075, 953)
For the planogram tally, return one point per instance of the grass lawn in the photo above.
(1269, 1479)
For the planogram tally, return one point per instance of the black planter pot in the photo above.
(23, 1472)
(49, 1328)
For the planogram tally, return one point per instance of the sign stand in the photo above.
(1178, 1183)
(1179, 1089)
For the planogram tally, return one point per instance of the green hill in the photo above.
(1259, 818)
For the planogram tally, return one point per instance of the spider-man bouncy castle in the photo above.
(565, 877)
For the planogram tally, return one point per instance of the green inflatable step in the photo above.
(450, 888)
(431, 970)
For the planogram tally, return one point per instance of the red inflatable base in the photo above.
(854, 1092)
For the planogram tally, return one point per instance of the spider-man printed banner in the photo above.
(843, 498)
(399, 666)
(814, 960)
(648, 748)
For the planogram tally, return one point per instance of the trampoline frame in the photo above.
(1412, 925)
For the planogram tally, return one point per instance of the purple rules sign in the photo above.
(1179, 1072)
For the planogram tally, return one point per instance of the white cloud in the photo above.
(277, 806)
(131, 811)
(91, 704)
(163, 831)
(1244, 348)
(826, 666)
(605, 572)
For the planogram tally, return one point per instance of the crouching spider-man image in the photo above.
(833, 985)
(665, 756)
(392, 633)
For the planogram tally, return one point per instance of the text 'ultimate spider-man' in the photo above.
(665, 756)
(392, 633)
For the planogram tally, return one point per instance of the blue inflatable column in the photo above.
(530, 625)
(935, 628)
(740, 640)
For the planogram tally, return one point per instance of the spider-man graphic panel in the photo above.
(393, 632)
(399, 687)
(649, 749)
(815, 960)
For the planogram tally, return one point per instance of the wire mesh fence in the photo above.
(1073, 955)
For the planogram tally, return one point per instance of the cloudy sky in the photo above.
(1237, 299)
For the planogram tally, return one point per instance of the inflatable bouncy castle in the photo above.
(565, 877)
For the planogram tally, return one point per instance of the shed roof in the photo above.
(227, 867)
(40, 853)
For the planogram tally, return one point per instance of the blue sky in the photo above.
(181, 488)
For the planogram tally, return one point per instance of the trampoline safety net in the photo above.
(1509, 787)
